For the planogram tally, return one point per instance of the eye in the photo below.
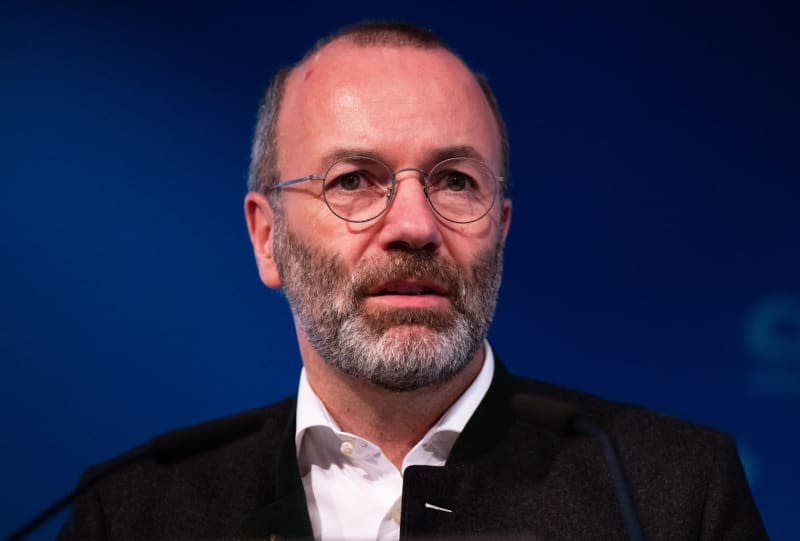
(453, 181)
(457, 182)
(357, 174)
(349, 181)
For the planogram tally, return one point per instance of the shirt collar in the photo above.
(311, 412)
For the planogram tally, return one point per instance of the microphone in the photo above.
(567, 420)
(164, 449)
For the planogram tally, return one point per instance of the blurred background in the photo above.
(653, 255)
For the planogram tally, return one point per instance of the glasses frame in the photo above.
(424, 175)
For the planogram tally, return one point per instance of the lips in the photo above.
(408, 287)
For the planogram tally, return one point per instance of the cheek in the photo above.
(308, 217)
(463, 243)
(323, 230)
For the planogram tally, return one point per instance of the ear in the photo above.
(506, 217)
(259, 216)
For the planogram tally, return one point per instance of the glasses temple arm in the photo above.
(285, 183)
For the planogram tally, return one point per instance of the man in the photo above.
(378, 203)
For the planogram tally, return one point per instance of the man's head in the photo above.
(403, 300)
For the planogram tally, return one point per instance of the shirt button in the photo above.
(347, 448)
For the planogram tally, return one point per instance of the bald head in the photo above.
(268, 145)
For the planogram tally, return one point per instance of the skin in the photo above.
(405, 105)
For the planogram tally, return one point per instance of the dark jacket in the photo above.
(505, 477)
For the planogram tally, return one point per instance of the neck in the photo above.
(395, 421)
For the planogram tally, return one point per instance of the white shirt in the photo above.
(352, 490)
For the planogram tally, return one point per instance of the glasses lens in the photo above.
(462, 189)
(356, 189)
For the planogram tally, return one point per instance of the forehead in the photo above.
(397, 101)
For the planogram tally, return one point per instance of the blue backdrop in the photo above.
(653, 254)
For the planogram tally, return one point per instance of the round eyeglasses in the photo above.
(359, 188)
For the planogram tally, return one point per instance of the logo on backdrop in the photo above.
(773, 339)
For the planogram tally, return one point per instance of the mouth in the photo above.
(408, 287)
(409, 293)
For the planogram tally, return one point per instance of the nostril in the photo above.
(429, 248)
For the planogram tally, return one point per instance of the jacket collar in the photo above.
(286, 515)
(489, 422)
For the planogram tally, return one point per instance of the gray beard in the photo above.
(395, 349)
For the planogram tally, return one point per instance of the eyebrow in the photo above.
(458, 151)
(435, 156)
(347, 152)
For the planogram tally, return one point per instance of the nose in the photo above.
(409, 222)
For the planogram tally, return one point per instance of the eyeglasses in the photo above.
(359, 189)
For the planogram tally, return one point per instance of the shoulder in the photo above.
(220, 457)
(152, 498)
(684, 476)
(638, 430)
(676, 468)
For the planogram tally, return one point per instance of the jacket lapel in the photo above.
(490, 469)
(441, 500)
(285, 514)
